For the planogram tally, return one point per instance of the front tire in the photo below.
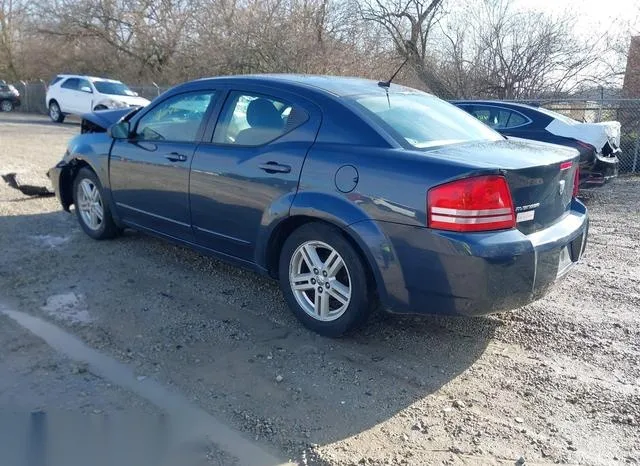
(100, 107)
(324, 280)
(6, 105)
(92, 210)
(55, 113)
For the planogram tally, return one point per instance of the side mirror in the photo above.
(135, 94)
(86, 89)
(120, 130)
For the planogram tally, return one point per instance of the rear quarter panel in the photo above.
(389, 184)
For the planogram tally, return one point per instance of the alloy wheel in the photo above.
(320, 280)
(54, 112)
(6, 106)
(90, 204)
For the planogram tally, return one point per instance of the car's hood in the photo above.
(106, 118)
(596, 134)
(130, 100)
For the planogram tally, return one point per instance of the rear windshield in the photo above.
(422, 120)
(112, 88)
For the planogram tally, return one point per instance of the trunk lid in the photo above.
(540, 176)
(542, 194)
(596, 134)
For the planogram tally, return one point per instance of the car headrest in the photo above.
(261, 113)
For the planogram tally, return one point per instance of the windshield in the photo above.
(423, 120)
(558, 116)
(112, 88)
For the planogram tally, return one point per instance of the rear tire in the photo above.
(100, 107)
(91, 207)
(324, 280)
(55, 113)
(6, 105)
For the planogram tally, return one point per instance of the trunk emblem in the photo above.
(527, 207)
(561, 187)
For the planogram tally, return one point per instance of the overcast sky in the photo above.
(593, 15)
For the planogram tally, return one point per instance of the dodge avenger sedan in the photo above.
(353, 194)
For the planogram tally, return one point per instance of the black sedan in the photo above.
(9, 97)
(598, 143)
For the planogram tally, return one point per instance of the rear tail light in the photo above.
(576, 182)
(481, 203)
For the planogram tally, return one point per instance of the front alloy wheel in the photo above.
(92, 209)
(324, 280)
(90, 204)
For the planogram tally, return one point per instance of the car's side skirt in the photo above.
(201, 249)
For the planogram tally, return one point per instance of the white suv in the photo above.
(83, 94)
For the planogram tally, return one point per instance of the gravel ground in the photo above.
(555, 381)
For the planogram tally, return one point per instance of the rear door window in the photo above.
(517, 119)
(71, 84)
(499, 118)
(55, 80)
(484, 115)
(255, 119)
(502, 119)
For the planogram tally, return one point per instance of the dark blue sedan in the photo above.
(351, 193)
(598, 143)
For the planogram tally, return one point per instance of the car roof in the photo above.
(495, 103)
(90, 78)
(339, 86)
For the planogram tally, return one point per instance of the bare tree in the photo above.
(497, 51)
(149, 32)
(11, 14)
(475, 48)
(409, 24)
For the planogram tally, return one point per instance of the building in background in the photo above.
(631, 86)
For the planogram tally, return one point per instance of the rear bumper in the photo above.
(597, 173)
(435, 272)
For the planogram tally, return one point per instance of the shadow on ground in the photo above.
(223, 335)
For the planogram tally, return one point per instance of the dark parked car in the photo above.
(598, 143)
(9, 97)
(349, 192)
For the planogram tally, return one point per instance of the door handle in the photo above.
(175, 157)
(275, 167)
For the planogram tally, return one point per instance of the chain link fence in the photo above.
(32, 96)
(626, 111)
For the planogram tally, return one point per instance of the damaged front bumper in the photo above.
(55, 174)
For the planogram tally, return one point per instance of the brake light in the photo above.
(576, 182)
(565, 166)
(481, 203)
